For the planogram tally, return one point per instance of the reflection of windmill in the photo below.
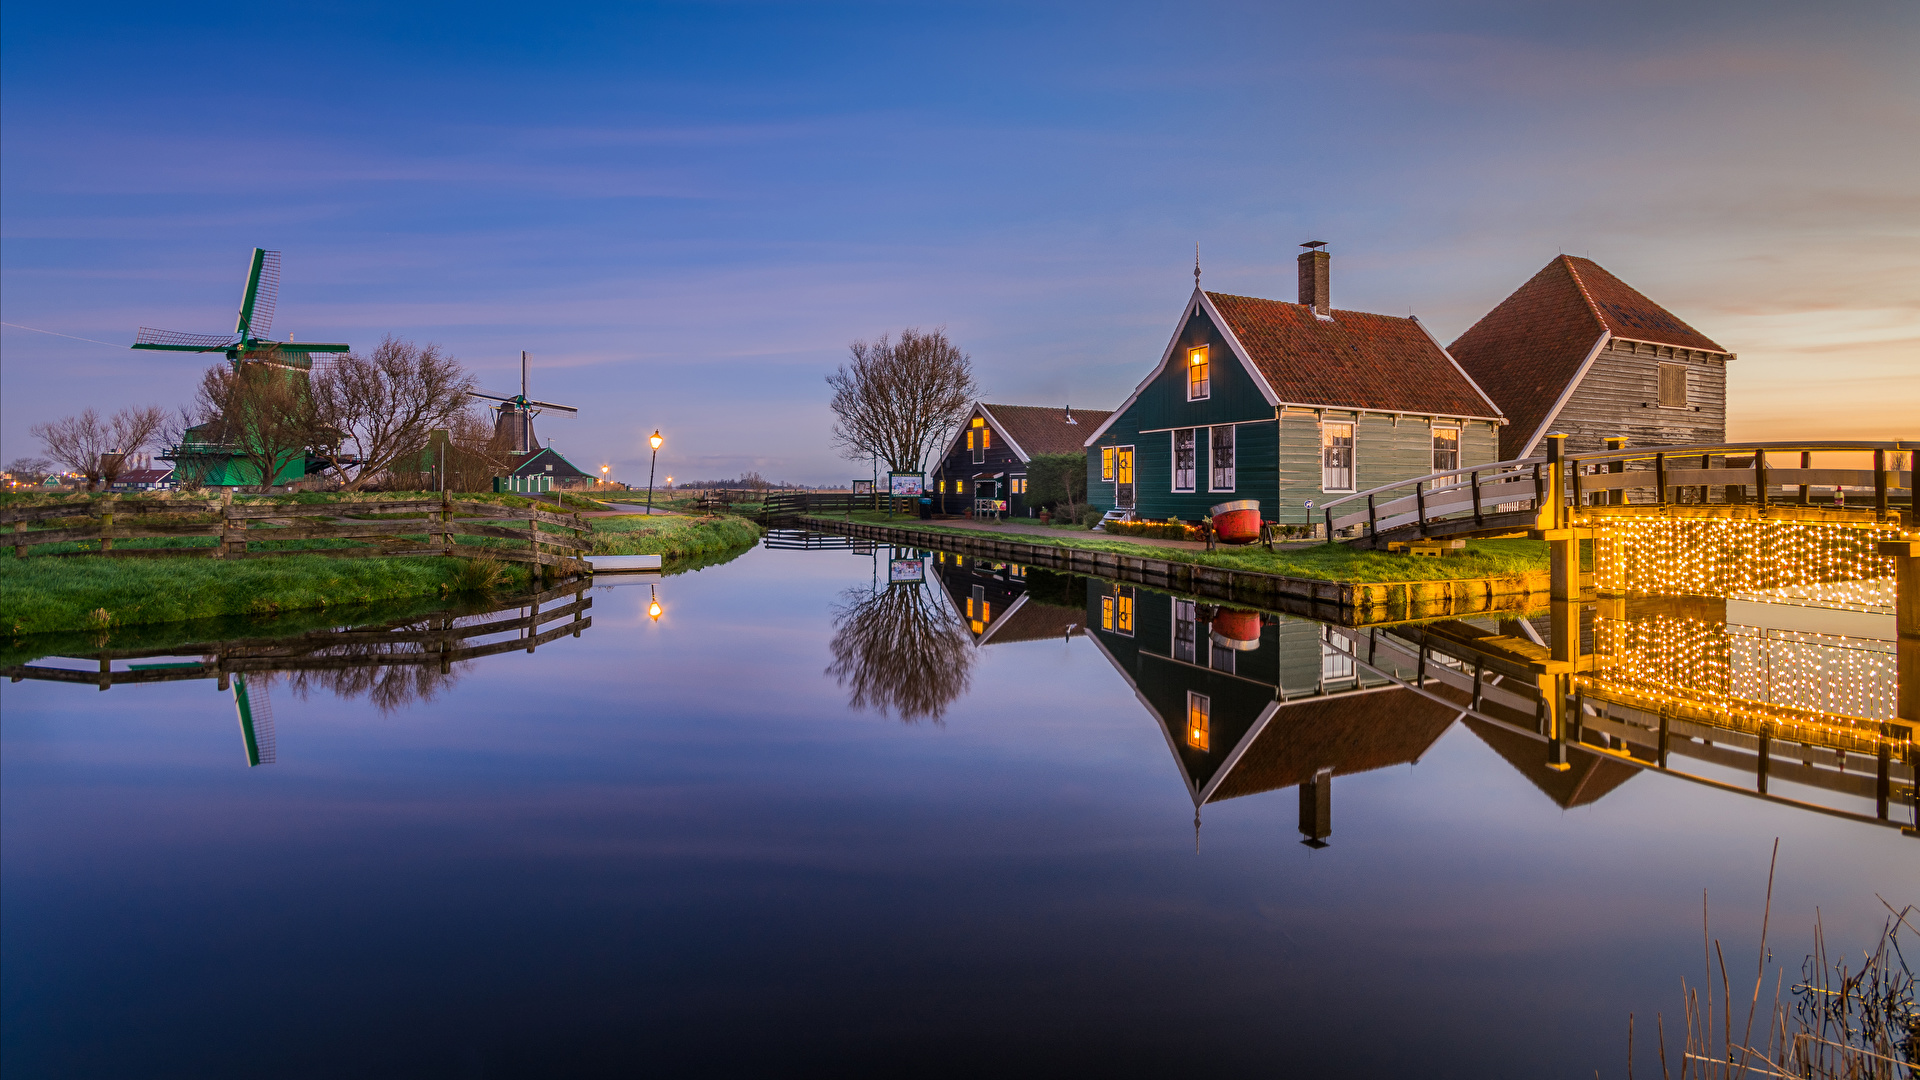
(256, 720)
(249, 339)
(513, 431)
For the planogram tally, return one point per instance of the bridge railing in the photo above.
(1499, 493)
(1499, 486)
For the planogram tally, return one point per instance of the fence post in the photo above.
(1880, 484)
(19, 545)
(1478, 517)
(1660, 476)
(1420, 505)
(106, 524)
(1618, 496)
(1760, 477)
(533, 542)
(1806, 462)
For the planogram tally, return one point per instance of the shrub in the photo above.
(1158, 530)
(1090, 515)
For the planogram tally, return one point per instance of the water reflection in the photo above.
(393, 663)
(900, 649)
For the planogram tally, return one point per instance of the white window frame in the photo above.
(1353, 454)
(1233, 448)
(1193, 459)
(1458, 430)
(1106, 463)
(1205, 710)
(1192, 623)
(1206, 360)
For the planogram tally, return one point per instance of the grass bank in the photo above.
(1321, 562)
(39, 596)
(673, 537)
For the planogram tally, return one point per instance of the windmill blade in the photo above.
(312, 346)
(493, 397)
(551, 405)
(150, 338)
(256, 720)
(262, 295)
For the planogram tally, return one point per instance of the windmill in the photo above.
(515, 426)
(249, 340)
(203, 455)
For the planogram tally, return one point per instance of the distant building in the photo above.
(1578, 350)
(986, 463)
(143, 480)
(1287, 405)
(544, 470)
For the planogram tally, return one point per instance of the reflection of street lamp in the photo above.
(654, 440)
(653, 607)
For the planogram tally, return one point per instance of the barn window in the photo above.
(1446, 449)
(1673, 386)
(1183, 454)
(1199, 721)
(1106, 463)
(1198, 382)
(1222, 478)
(1336, 457)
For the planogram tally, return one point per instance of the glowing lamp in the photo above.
(655, 440)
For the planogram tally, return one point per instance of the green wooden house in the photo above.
(1289, 405)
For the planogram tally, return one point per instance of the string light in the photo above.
(1724, 556)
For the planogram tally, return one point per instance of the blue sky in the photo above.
(686, 212)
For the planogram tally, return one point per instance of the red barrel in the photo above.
(1237, 522)
(1238, 630)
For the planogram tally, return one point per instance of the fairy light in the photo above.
(1723, 556)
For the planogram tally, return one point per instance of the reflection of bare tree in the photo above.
(900, 650)
(386, 686)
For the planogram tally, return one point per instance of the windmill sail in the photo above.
(149, 337)
(256, 720)
(261, 297)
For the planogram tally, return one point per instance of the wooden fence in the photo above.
(398, 527)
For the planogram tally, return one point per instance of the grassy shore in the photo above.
(44, 594)
(1323, 562)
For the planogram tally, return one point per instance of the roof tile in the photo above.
(1040, 429)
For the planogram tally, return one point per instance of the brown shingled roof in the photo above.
(1524, 352)
(1349, 733)
(1354, 359)
(1039, 429)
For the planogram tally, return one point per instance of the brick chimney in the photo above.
(1314, 264)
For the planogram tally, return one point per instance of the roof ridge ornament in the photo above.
(1196, 265)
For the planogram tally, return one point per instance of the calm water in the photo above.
(801, 825)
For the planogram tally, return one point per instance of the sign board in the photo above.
(907, 571)
(863, 487)
(906, 485)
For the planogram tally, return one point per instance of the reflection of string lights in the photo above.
(1789, 683)
(1674, 556)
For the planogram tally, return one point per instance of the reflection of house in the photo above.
(1253, 703)
(998, 604)
(988, 457)
(1284, 404)
(1590, 776)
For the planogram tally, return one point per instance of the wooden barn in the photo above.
(1287, 405)
(985, 466)
(1578, 350)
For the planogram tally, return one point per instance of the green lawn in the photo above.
(672, 536)
(49, 595)
(1323, 562)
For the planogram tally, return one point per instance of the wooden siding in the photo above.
(1620, 395)
(959, 465)
(1384, 452)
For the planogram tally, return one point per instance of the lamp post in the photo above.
(654, 440)
(603, 474)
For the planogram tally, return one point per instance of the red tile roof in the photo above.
(1043, 430)
(1526, 351)
(1352, 360)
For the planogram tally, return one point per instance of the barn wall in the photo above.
(1620, 395)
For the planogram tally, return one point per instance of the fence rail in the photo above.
(380, 528)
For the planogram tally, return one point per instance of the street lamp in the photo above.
(603, 474)
(655, 440)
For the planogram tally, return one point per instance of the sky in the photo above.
(686, 212)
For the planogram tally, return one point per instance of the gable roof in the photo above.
(1530, 350)
(538, 461)
(1039, 429)
(1345, 360)
(1349, 733)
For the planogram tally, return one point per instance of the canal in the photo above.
(982, 820)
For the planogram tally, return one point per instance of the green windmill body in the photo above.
(200, 454)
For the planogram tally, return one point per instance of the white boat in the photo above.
(623, 564)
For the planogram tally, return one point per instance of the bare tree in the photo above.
(266, 413)
(97, 449)
(29, 470)
(898, 401)
(900, 649)
(384, 407)
(464, 455)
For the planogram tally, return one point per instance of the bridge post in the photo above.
(1660, 477)
(1760, 478)
(1806, 462)
(1553, 707)
(1618, 496)
(1880, 485)
(1906, 612)
(1316, 809)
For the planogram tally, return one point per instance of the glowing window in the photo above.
(1106, 463)
(1198, 384)
(1199, 721)
(1336, 457)
(1106, 613)
(1123, 465)
(1446, 449)
(1123, 612)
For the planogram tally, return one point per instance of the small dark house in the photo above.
(985, 467)
(1286, 405)
(543, 470)
(1578, 350)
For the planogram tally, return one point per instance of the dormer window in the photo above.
(1199, 384)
